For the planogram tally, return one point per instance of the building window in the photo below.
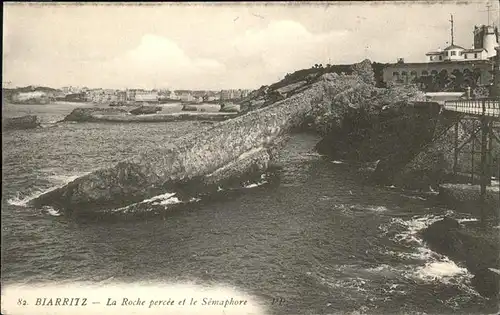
(446, 53)
(425, 72)
(475, 55)
(465, 56)
(395, 74)
(453, 53)
(440, 57)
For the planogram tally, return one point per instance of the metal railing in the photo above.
(480, 107)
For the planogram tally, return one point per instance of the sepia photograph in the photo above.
(264, 158)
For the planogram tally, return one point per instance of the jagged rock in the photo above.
(23, 122)
(144, 110)
(468, 198)
(477, 252)
(275, 96)
(365, 70)
(291, 87)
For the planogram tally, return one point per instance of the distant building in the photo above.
(102, 96)
(472, 65)
(130, 95)
(211, 97)
(186, 96)
(234, 94)
(172, 95)
(121, 96)
(146, 96)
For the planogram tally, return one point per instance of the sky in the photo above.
(213, 46)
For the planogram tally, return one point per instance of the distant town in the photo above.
(43, 95)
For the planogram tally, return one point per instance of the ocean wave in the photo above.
(433, 267)
(161, 197)
(443, 270)
(165, 199)
(355, 209)
(413, 226)
(23, 201)
(377, 208)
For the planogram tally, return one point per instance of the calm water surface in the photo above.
(319, 235)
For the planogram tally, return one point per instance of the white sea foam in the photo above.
(253, 185)
(440, 270)
(413, 226)
(168, 201)
(337, 162)
(161, 197)
(61, 180)
(468, 220)
(22, 201)
(49, 210)
(377, 208)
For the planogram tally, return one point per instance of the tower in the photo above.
(486, 36)
(495, 91)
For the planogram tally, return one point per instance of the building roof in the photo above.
(453, 47)
(474, 50)
(434, 53)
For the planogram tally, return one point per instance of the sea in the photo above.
(319, 235)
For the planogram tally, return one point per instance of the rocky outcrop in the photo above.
(230, 108)
(468, 198)
(23, 122)
(221, 151)
(122, 115)
(190, 108)
(145, 110)
(88, 114)
(478, 251)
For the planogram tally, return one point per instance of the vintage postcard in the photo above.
(251, 158)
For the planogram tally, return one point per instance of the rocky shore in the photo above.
(475, 248)
(140, 114)
(23, 122)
